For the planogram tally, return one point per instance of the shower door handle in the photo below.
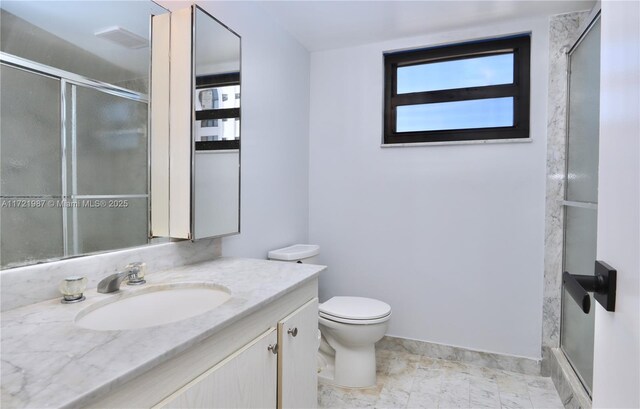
(602, 284)
(577, 291)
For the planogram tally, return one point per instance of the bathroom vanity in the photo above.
(257, 346)
(257, 349)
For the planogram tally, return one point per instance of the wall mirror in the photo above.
(203, 137)
(74, 141)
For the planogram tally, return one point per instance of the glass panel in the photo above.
(579, 258)
(584, 127)
(30, 234)
(580, 240)
(577, 331)
(478, 113)
(115, 224)
(111, 144)
(30, 134)
(468, 72)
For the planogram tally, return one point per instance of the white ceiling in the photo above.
(322, 25)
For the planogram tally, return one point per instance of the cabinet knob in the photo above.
(273, 348)
(293, 331)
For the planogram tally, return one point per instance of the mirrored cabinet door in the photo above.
(203, 142)
(216, 130)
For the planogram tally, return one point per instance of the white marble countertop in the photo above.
(49, 362)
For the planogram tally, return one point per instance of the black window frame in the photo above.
(519, 45)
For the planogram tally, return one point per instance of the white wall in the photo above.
(274, 130)
(616, 367)
(450, 236)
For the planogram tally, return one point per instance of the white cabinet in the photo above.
(246, 379)
(297, 361)
(277, 369)
(233, 367)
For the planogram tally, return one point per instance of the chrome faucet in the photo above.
(133, 273)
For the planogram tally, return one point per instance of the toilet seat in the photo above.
(355, 310)
(354, 322)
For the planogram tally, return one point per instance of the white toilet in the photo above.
(350, 327)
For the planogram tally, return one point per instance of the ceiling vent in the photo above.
(122, 37)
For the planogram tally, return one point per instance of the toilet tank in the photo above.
(298, 253)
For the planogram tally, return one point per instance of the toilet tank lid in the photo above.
(295, 252)
(355, 308)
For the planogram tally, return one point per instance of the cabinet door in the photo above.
(246, 379)
(297, 358)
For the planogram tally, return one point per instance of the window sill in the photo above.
(479, 142)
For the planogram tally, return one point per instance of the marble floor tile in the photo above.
(511, 400)
(454, 392)
(511, 384)
(427, 384)
(413, 381)
(545, 398)
(423, 400)
(483, 393)
(391, 398)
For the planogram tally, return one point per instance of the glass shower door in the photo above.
(107, 171)
(74, 166)
(581, 195)
(30, 159)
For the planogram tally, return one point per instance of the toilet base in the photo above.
(325, 365)
(349, 343)
(356, 368)
(352, 368)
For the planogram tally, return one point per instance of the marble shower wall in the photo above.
(563, 32)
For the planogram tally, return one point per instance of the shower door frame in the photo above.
(74, 80)
(593, 18)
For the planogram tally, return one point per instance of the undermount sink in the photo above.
(151, 306)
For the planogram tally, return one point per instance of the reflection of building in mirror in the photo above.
(222, 129)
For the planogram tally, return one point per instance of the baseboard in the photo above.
(510, 363)
(567, 384)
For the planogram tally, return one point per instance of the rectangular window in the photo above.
(462, 92)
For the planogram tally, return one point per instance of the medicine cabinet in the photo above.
(195, 125)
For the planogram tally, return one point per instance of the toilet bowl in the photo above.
(349, 326)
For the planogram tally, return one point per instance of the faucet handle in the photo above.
(72, 289)
(135, 273)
